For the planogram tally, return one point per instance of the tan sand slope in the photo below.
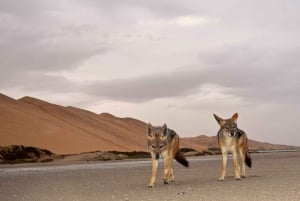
(64, 130)
(69, 130)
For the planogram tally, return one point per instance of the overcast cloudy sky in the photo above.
(160, 61)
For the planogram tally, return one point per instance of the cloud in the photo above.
(180, 21)
(145, 88)
(36, 41)
(247, 72)
(190, 20)
(38, 82)
(47, 50)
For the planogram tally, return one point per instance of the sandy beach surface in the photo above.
(274, 176)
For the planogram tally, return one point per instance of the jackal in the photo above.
(164, 142)
(232, 139)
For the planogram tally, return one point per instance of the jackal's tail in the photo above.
(248, 159)
(179, 157)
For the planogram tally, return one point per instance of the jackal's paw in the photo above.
(238, 178)
(166, 181)
(221, 178)
(243, 176)
(150, 185)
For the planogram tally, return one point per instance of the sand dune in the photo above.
(68, 130)
(64, 130)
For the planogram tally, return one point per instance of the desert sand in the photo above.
(274, 176)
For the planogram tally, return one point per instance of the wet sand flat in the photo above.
(274, 176)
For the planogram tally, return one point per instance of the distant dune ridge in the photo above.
(68, 130)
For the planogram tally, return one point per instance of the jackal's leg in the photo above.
(153, 175)
(167, 169)
(236, 165)
(224, 163)
(171, 172)
(243, 157)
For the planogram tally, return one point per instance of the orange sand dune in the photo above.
(63, 130)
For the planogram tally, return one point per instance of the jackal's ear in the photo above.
(220, 121)
(234, 117)
(149, 130)
(164, 129)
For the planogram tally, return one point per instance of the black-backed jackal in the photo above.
(232, 139)
(164, 142)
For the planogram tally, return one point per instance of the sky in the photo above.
(166, 61)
